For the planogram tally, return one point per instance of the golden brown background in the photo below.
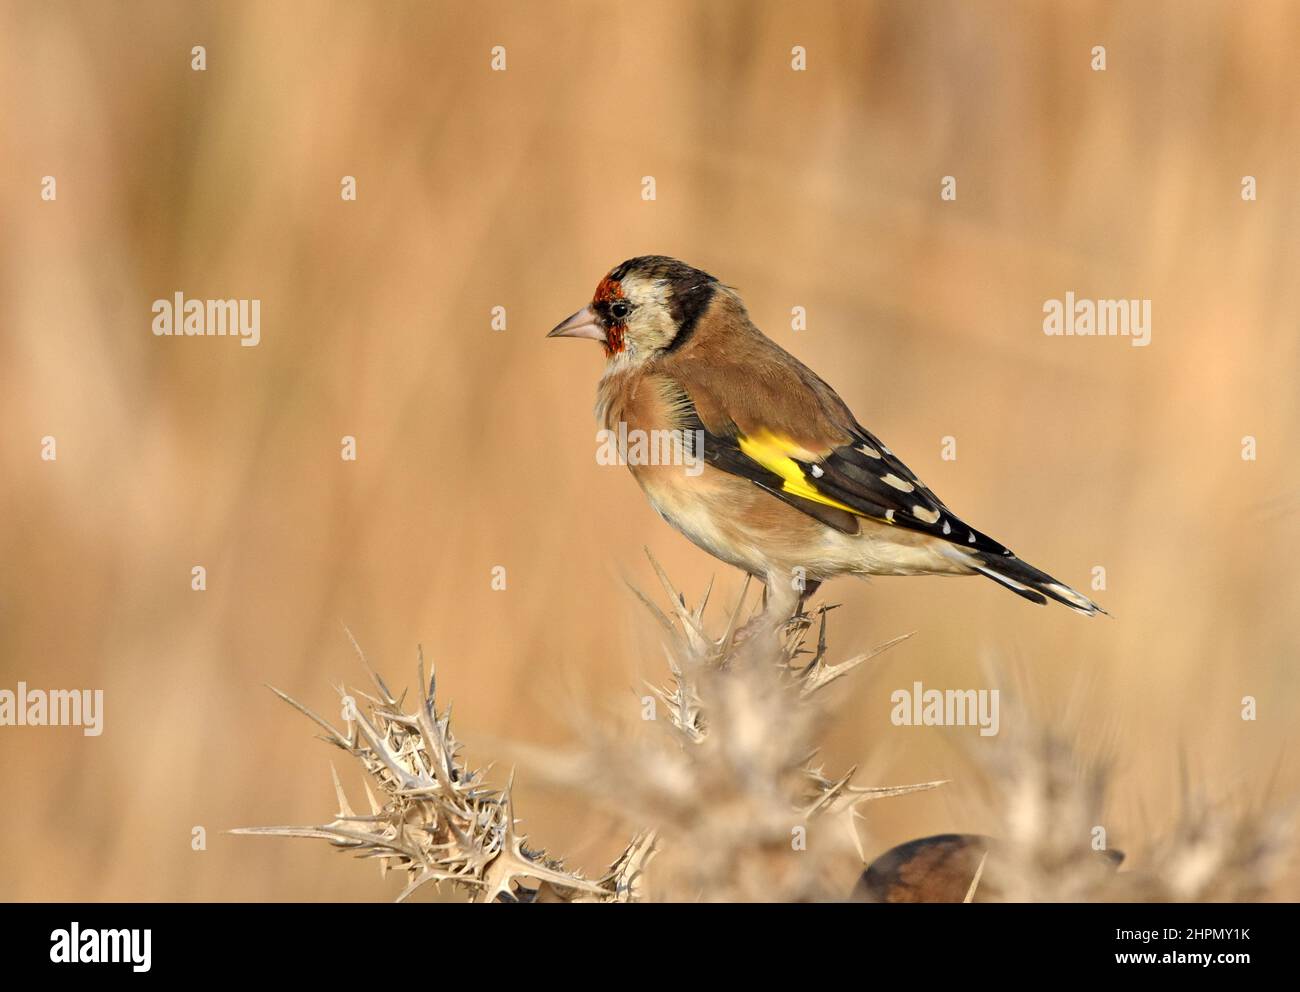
(476, 447)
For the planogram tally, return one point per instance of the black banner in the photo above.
(441, 943)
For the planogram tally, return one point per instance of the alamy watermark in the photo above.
(1098, 318)
(922, 707)
(179, 317)
(53, 708)
(654, 447)
(125, 946)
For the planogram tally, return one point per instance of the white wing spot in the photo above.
(927, 515)
(947, 527)
(889, 515)
(817, 472)
(971, 538)
(900, 484)
(1009, 583)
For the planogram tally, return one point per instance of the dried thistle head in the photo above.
(1214, 853)
(1049, 801)
(723, 791)
(722, 764)
(727, 801)
(436, 819)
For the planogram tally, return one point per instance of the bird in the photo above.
(780, 479)
(964, 868)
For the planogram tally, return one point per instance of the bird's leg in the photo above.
(809, 590)
(782, 597)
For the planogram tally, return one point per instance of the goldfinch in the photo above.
(783, 482)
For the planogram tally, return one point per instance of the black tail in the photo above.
(1025, 580)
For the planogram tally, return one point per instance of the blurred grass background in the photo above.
(476, 448)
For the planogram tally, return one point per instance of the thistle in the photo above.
(439, 820)
(724, 791)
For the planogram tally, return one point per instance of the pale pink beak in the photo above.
(582, 324)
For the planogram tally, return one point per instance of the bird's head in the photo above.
(643, 308)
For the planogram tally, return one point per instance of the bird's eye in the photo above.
(620, 310)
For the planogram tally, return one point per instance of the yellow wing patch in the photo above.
(774, 454)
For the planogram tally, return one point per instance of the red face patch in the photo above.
(607, 292)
